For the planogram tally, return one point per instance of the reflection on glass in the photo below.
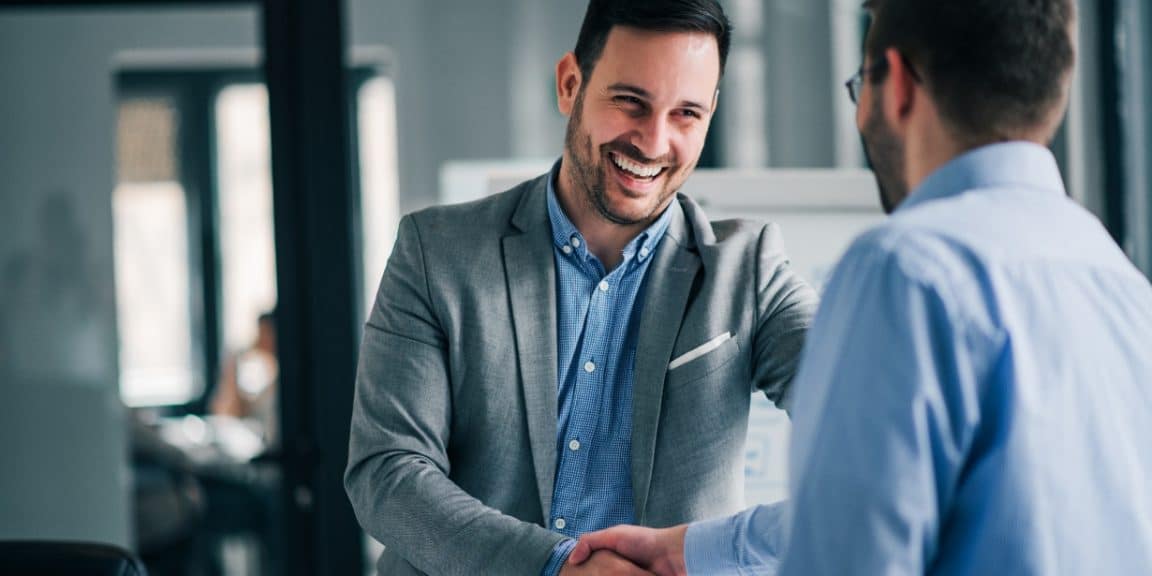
(247, 250)
(380, 208)
(151, 252)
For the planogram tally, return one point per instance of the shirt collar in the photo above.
(1010, 164)
(568, 238)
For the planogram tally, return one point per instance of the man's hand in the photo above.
(660, 551)
(602, 562)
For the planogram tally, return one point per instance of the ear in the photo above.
(568, 81)
(901, 89)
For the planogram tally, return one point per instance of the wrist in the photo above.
(673, 558)
(559, 557)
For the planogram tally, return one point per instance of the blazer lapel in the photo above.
(531, 277)
(668, 287)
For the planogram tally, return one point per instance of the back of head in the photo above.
(705, 16)
(997, 69)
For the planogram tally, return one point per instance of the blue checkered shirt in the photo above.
(598, 317)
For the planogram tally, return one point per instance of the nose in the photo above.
(654, 137)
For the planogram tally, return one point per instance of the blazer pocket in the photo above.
(702, 360)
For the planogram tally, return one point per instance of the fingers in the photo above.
(660, 550)
(591, 542)
(580, 553)
(607, 562)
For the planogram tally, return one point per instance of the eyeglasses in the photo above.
(856, 82)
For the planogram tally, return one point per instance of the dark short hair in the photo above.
(653, 15)
(996, 68)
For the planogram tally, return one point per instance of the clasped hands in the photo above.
(629, 550)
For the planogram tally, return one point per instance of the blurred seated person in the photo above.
(247, 386)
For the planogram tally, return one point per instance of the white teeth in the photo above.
(634, 168)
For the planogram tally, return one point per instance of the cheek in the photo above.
(605, 125)
(690, 144)
(861, 116)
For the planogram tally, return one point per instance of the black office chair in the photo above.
(37, 558)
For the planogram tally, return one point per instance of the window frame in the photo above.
(194, 93)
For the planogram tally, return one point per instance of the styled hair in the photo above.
(654, 15)
(996, 68)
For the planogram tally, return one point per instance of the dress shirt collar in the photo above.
(1010, 164)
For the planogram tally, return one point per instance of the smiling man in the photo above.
(579, 351)
(976, 392)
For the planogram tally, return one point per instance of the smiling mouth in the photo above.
(634, 170)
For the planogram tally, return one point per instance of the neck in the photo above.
(606, 239)
(927, 151)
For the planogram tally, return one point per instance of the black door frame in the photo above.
(304, 67)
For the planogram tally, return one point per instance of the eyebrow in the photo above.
(638, 91)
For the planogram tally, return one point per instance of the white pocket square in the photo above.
(700, 350)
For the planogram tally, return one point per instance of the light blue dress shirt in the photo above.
(598, 314)
(975, 396)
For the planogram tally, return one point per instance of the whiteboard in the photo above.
(819, 212)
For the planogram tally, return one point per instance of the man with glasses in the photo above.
(976, 393)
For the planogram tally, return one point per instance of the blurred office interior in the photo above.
(180, 181)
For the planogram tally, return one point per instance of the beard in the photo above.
(589, 171)
(884, 152)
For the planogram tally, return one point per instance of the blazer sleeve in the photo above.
(397, 477)
(785, 306)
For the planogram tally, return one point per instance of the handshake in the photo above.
(629, 550)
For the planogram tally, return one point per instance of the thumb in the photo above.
(580, 553)
(590, 543)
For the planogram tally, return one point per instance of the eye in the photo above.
(690, 114)
(627, 100)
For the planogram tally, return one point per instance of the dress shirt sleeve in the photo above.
(397, 476)
(883, 416)
(785, 305)
(747, 544)
(559, 556)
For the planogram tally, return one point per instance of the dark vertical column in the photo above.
(304, 47)
(1146, 34)
(1112, 120)
(197, 127)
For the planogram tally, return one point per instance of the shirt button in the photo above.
(575, 242)
(566, 249)
(603, 285)
(574, 445)
(589, 367)
(643, 252)
(559, 523)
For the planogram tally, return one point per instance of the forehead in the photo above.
(669, 64)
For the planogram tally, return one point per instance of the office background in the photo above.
(138, 227)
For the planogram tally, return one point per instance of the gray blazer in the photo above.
(453, 443)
